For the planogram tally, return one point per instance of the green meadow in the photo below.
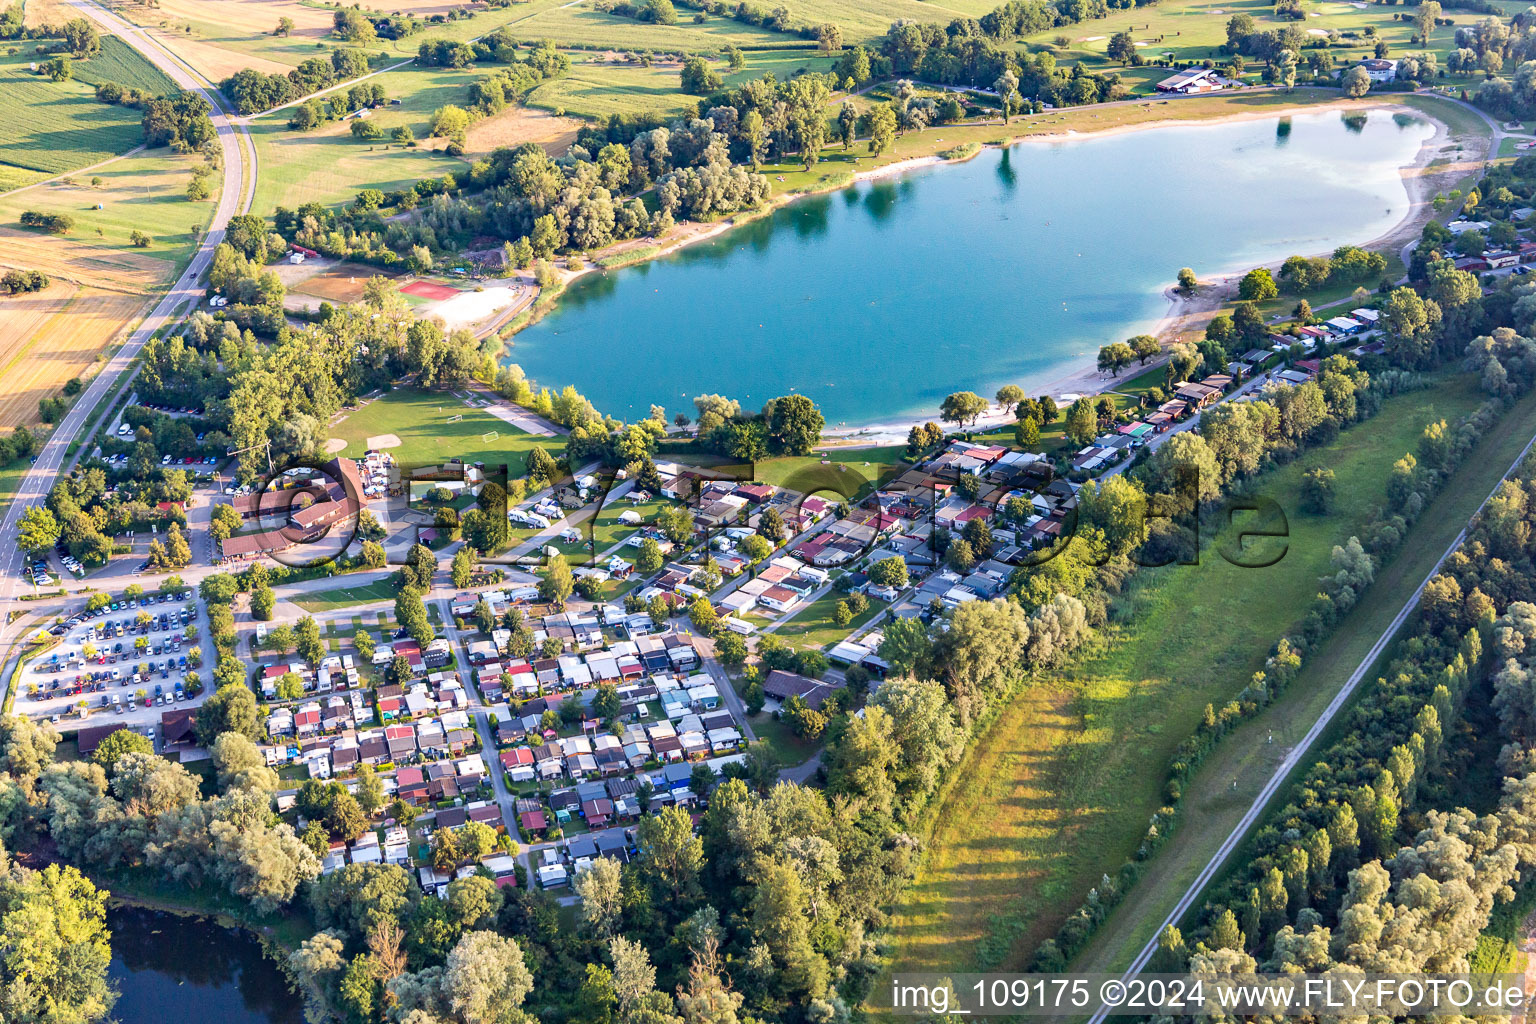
(595, 88)
(424, 422)
(146, 191)
(328, 166)
(1060, 790)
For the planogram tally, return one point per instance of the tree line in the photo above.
(253, 91)
(1371, 863)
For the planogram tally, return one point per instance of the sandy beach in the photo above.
(1187, 315)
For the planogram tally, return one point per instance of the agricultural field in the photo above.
(516, 125)
(220, 37)
(128, 270)
(602, 84)
(865, 20)
(580, 25)
(146, 191)
(48, 128)
(484, 23)
(118, 62)
(47, 12)
(329, 166)
(47, 338)
(1062, 786)
(424, 422)
(1190, 30)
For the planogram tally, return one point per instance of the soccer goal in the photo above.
(455, 417)
(489, 436)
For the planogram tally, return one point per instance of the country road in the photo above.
(179, 298)
(1299, 752)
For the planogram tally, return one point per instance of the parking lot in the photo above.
(119, 665)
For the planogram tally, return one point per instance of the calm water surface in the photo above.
(171, 968)
(881, 298)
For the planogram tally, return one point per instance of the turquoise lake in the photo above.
(880, 299)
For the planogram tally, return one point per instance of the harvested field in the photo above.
(22, 315)
(517, 125)
(48, 12)
(216, 62)
(428, 290)
(55, 340)
(341, 283)
(82, 263)
(253, 15)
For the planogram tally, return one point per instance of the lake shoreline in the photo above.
(1188, 314)
(1183, 313)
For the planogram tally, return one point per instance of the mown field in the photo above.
(83, 262)
(146, 191)
(597, 86)
(421, 419)
(46, 339)
(516, 125)
(49, 128)
(1061, 789)
(219, 37)
(329, 166)
(1212, 804)
(1192, 30)
(582, 26)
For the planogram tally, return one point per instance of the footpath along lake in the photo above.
(880, 299)
(172, 968)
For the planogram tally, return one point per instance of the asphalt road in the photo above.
(178, 300)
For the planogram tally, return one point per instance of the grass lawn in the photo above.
(329, 166)
(1061, 788)
(1498, 950)
(576, 552)
(1194, 31)
(786, 747)
(11, 477)
(848, 473)
(346, 597)
(146, 192)
(49, 128)
(595, 88)
(421, 420)
(584, 26)
(812, 628)
(1212, 807)
(606, 528)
